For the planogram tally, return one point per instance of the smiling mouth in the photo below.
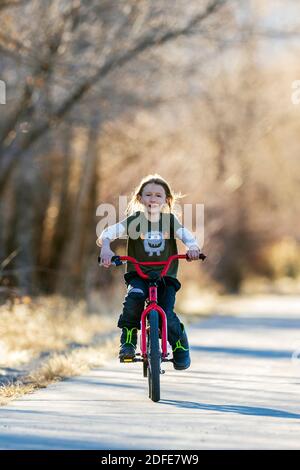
(154, 244)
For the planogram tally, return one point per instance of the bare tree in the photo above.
(111, 58)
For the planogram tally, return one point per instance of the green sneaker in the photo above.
(181, 353)
(128, 343)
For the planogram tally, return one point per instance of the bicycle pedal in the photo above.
(129, 360)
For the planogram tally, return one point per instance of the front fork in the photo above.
(153, 306)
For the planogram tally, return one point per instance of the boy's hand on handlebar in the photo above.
(105, 256)
(193, 253)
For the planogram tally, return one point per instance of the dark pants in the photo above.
(134, 303)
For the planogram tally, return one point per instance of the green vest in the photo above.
(152, 241)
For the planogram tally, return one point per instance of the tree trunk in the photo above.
(82, 224)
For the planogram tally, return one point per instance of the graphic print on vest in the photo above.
(154, 243)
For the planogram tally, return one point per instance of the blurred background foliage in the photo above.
(101, 93)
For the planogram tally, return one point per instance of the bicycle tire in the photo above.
(154, 357)
(145, 368)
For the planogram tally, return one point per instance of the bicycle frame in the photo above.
(152, 298)
(152, 355)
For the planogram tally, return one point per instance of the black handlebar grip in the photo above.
(116, 259)
(202, 256)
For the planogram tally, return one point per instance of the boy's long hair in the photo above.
(171, 197)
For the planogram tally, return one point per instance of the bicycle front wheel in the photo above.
(154, 357)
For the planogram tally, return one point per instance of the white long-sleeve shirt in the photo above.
(150, 241)
(119, 230)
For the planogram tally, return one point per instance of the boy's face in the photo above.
(153, 197)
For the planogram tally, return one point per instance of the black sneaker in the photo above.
(128, 342)
(181, 353)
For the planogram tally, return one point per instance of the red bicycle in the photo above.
(153, 341)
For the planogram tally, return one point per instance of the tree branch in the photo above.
(145, 43)
(120, 61)
(13, 3)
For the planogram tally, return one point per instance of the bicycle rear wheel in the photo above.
(154, 357)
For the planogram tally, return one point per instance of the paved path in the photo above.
(241, 392)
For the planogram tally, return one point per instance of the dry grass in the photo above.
(52, 325)
(11, 391)
(59, 367)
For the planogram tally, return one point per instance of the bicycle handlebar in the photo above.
(117, 260)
